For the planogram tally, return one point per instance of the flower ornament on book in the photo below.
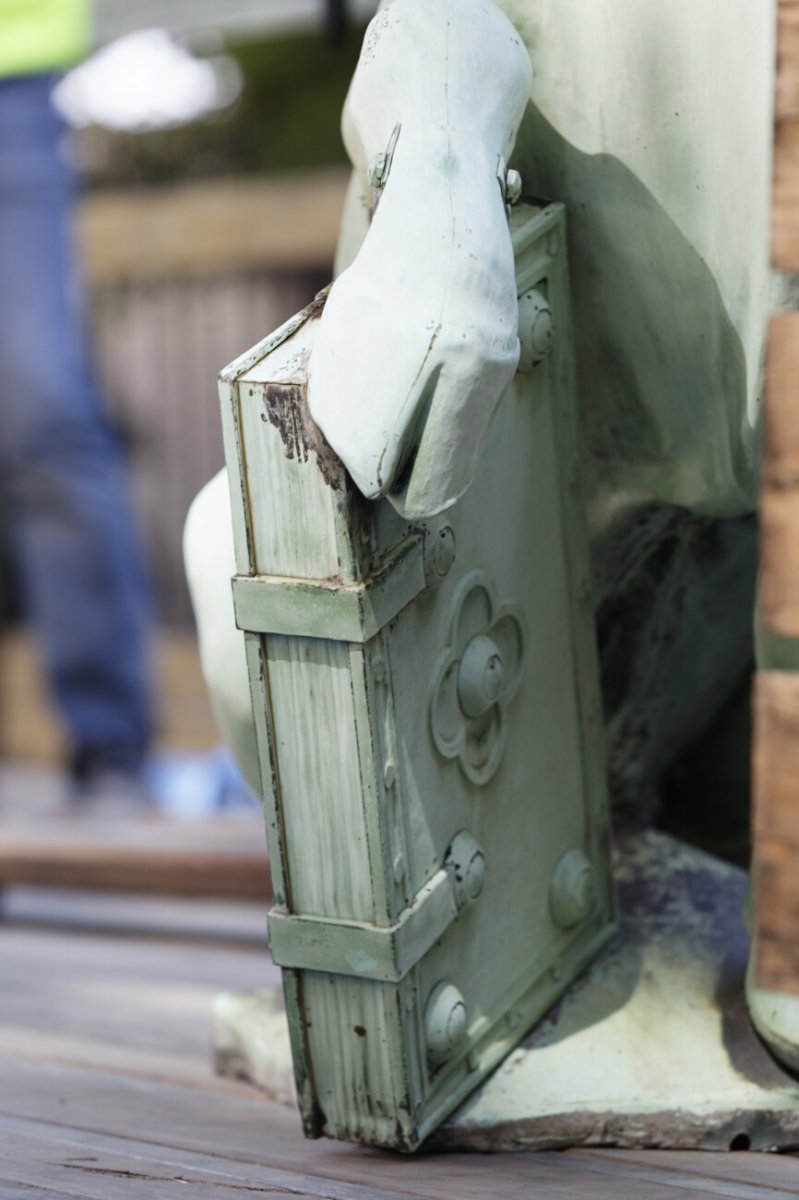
(476, 678)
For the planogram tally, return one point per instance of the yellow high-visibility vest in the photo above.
(42, 35)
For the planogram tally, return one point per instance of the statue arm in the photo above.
(419, 335)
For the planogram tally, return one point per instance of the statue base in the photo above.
(651, 1047)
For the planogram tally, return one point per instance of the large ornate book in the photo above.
(429, 730)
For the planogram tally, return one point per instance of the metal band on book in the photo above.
(327, 608)
(384, 953)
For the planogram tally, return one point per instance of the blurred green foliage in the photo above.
(287, 118)
(293, 98)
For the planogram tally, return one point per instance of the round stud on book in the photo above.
(444, 1023)
(572, 893)
(466, 861)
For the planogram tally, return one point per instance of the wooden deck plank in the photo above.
(244, 1129)
(47, 1153)
(53, 860)
(120, 915)
(101, 1171)
(104, 1056)
(777, 1171)
(46, 842)
(21, 1191)
(120, 1005)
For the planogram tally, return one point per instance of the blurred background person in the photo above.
(69, 542)
(212, 179)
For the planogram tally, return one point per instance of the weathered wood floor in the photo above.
(45, 842)
(106, 1089)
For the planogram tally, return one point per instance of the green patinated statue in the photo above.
(651, 122)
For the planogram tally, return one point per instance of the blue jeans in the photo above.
(63, 504)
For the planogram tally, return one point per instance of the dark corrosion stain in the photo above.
(314, 309)
(286, 407)
(359, 1029)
